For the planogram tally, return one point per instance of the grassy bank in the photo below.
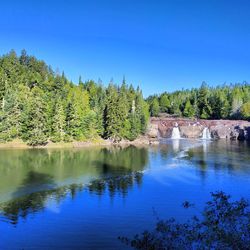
(75, 144)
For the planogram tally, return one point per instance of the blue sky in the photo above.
(158, 45)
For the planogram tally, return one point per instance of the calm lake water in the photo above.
(86, 198)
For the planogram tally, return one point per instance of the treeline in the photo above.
(222, 102)
(39, 105)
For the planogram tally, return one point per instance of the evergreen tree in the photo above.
(141, 108)
(36, 119)
(112, 123)
(245, 110)
(135, 128)
(123, 110)
(90, 125)
(10, 126)
(164, 103)
(189, 110)
(203, 104)
(73, 121)
(154, 107)
(59, 122)
(237, 102)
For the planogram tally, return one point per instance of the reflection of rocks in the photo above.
(193, 128)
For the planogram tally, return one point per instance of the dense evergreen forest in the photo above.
(39, 105)
(222, 102)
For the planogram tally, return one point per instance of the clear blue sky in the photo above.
(158, 45)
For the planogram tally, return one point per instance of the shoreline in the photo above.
(19, 144)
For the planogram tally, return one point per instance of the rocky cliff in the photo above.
(193, 128)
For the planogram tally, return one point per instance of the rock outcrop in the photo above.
(193, 128)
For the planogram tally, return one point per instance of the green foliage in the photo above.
(164, 103)
(224, 224)
(189, 110)
(36, 116)
(154, 107)
(222, 102)
(203, 103)
(126, 113)
(39, 105)
(90, 125)
(10, 116)
(58, 125)
(237, 102)
(245, 110)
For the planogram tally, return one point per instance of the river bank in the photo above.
(19, 144)
(159, 128)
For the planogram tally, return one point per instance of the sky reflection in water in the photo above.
(87, 198)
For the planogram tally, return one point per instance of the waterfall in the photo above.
(206, 134)
(176, 133)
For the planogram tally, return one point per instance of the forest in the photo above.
(222, 102)
(40, 105)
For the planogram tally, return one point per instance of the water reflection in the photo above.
(33, 182)
(176, 145)
(30, 179)
(205, 156)
(220, 156)
(64, 167)
(36, 201)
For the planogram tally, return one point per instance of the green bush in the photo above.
(224, 224)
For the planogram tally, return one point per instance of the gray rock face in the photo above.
(221, 131)
(191, 131)
(193, 128)
(153, 130)
(233, 132)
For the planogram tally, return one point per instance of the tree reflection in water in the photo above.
(37, 201)
(42, 173)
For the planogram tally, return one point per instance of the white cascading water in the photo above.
(206, 134)
(176, 133)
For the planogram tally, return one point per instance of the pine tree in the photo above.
(237, 102)
(73, 122)
(203, 104)
(154, 107)
(59, 122)
(36, 118)
(112, 124)
(123, 110)
(164, 103)
(135, 126)
(142, 111)
(245, 110)
(189, 110)
(10, 127)
(90, 125)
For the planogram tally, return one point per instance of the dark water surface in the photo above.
(86, 198)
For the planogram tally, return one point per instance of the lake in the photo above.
(86, 198)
